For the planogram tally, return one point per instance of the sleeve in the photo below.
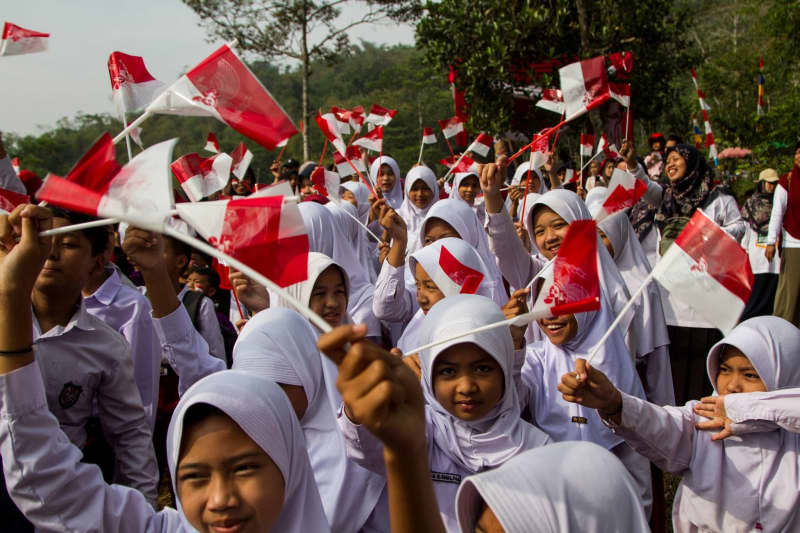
(9, 179)
(654, 191)
(776, 217)
(128, 429)
(185, 349)
(764, 411)
(146, 350)
(43, 469)
(391, 300)
(732, 221)
(362, 446)
(665, 435)
(209, 328)
(515, 263)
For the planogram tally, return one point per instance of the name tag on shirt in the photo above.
(445, 477)
(579, 420)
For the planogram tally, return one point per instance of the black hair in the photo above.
(179, 247)
(676, 138)
(210, 273)
(98, 237)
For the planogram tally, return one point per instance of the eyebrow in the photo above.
(230, 460)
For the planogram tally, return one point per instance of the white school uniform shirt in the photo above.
(85, 364)
(747, 482)
(208, 324)
(567, 486)
(411, 214)
(779, 203)
(70, 495)
(394, 197)
(127, 311)
(280, 345)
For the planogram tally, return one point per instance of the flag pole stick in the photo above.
(127, 137)
(421, 146)
(324, 149)
(527, 185)
(488, 327)
(360, 175)
(627, 121)
(449, 170)
(144, 116)
(620, 316)
(589, 161)
(78, 227)
(252, 274)
(546, 132)
(580, 153)
(450, 147)
(236, 299)
(346, 212)
(280, 154)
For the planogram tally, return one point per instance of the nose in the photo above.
(222, 493)
(734, 385)
(550, 236)
(466, 386)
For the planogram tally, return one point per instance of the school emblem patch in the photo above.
(69, 395)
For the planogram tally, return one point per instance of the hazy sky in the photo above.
(38, 89)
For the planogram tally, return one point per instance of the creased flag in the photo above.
(17, 41)
(330, 129)
(587, 145)
(481, 145)
(223, 87)
(265, 233)
(326, 183)
(621, 64)
(139, 193)
(552, 100)
(624, 190)
(570, 176)
(132, 86)
(373, 140)
(610, 150)
(199, 177)
(708, 270)
(454, 277)
(621, 92)
(343, 167)
(212, 144)
(241, 157)
(10, 200)
(342, 117)
(452, 126)
(584, 86)
(380, 116)
(539, 148)
(465, 165)
(428, 136)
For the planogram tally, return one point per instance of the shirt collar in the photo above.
(81, 319)
(106, 292)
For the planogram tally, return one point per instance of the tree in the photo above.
(280, 30)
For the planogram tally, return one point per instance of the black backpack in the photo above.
(192, 301)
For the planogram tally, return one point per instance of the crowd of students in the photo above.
(129, 376)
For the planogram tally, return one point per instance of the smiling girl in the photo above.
(422, 191)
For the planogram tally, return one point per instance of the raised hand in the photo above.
(492, 177)
(22, 250)
(250, 293)
(628, 153)
(144, 248)
(589, 387)
(713, 408)
(516, 306)
(522, 233)
(393, 223)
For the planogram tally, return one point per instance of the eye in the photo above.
(447, 371)
(752, 375)
(724, 369)
(538, 231)
(340, 292)
(484, 369)
(248, 468)
(192, 477)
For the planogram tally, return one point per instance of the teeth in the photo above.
(553, 327)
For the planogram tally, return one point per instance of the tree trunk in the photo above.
(583, 24)
(306, 75)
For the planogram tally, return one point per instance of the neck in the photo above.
(176, 284)
(53, 309)
(94, 283)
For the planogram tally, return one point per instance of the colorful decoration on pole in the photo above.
(705, 108)
(760, 106)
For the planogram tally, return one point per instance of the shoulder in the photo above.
(103, 337)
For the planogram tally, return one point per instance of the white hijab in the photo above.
(595, 198)
(280, 345)
(569, 486)
(394, 197)
(356, 235)
(634, 268)
(361, 193)
(413, 215)
(477, 206)
(502, 434)
(521, 176)
(262, 410)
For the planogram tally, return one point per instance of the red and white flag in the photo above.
(452, 126)
(139, 193)
(342, 119)
(380, 116)
(343, 167)
(10, 200)
(707, 269)
(326, 183)
(357, 116)
(539, 149)
(465, 165)
(241, 157)
(552, 100)
(481, 145)
(373, 140)
(199, 177)
(584, 86)
(265, 233)
(428, 136)
(223, 87)
(587, 145)
(624, 190)
(212, 144)
(132, 86)
(454, 277)
(610, 150)
(570, 176)
(15, 165)
(330, 129)
(621, 92)
(17, 40)
(136, 136)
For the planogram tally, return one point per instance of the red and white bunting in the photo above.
(132, 86)
(212, 144)
(552, 100)
(330, 129)
(373, 140)
(708, 270)
(241, 157)
(199, 177)
(584, 86)
(222, 86)
(10, 200)
(452, 126)
(481, 145)
(380, 116)
(621, 92)
(428, 136)
(624, 190)
(17, 40)
(454, 277)
(587, 145)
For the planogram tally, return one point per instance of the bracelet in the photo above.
(21, 351)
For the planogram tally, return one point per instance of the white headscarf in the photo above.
(595, 198)
(361, 193)
(413, 215)
(634, 268)
(394, 197)
(477, 206)
(356, 235)
(521, 176)
(278, 344)
(569, 486)
(533, 197)
(262, 410)
(502, 434)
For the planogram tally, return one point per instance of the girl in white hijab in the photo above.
(746, 478)
(652, 343)
(357, 235)
(357, 194)
(385, 173)
(280, 345)
(466, 187)
(225, 425)
(422, 191)
(473, 409)
(568, 486)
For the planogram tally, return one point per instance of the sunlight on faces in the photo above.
(487, 521)
(737, 373)
(420, 194)
(436, 229)
(549, 229)
(225, 481)
(606, 241)
(329, 296)
(467, 381)
(676, 166)
(386, 178)
(468, 189)
(608, 169)
(348, 196)
(428, 292)
(69, 263)
(559, 329)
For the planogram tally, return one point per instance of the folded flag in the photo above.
(199, 177)
(707, 270)
(621, 64)
(343, 167)
(454, 277)
(326, 183)
(452, 126)
(539, 149)
(428, 136)
(264, 232)
(223, 87)
(17, 41)
(481, 145)
(587, 145)
(570, 176)
(330, 128)
(621, 92)
(132, 86)
(136, 136)
(380, 116)
(552, 100)
(342, 119)
(584, 86)
(241, 157)
(139, 193)
(373, 140)
(212, 144)
(10, 200)
(624, 190)
(610, 150)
